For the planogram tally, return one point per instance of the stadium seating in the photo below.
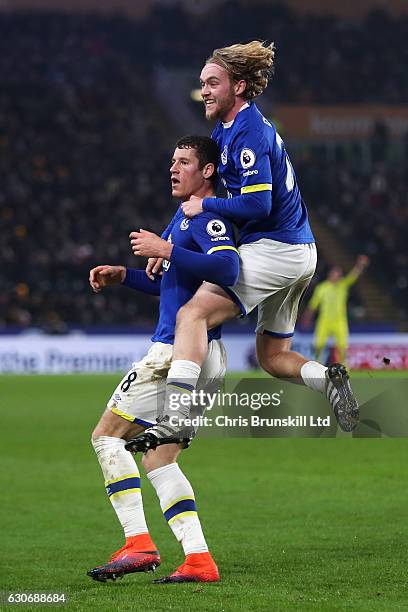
(84, 145)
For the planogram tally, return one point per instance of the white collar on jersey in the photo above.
(229, 123)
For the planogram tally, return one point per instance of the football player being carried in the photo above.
(276, 245)
(190, 257)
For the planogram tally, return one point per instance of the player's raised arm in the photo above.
(361, 264)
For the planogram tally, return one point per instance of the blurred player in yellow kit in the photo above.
(330, 298)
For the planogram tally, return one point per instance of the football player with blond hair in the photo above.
(276, 245)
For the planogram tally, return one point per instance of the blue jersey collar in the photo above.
(228, 124)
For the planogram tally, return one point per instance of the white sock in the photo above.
(182, 369)
(313, 375)
(182, 379)
(122, 482)
(178, 506)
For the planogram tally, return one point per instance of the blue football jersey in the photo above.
(178, 215)
(205, 233)
(254, 159)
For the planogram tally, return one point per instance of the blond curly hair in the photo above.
(252, 62)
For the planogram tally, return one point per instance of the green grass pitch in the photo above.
(294, 524)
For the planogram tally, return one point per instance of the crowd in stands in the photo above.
(82, 163)
(84, 144)
(368, 210)
(320, 58)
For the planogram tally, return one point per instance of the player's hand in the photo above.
(193, 207)
(147, 244)
(154, 266)
(102, 276)
(362, 261)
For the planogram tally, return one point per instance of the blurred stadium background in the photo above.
(93, 96)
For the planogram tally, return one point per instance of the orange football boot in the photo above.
(198, 567)
(139, 554)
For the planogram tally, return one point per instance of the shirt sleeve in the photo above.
(252, 206)
(218, 261)
(251, 157)
(138, 279)
(348, 280)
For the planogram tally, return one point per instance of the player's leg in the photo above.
(276, 358)
(122, 483)
(277, 316)
(177, 501)
(176, 494)
(132, 407)
(121, 474)
(266, 267)
(209, 307)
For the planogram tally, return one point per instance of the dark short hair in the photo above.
(208, 152)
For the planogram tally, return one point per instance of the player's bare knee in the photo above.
(269, 350)
(191, 311)
(114, 426)
(100, 430)
(267, 364)
(161, 456)
(265, 358)
(103, 428)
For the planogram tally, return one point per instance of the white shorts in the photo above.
(140, 395)
(273, 276)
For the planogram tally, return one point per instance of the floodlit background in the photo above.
(93, 97)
